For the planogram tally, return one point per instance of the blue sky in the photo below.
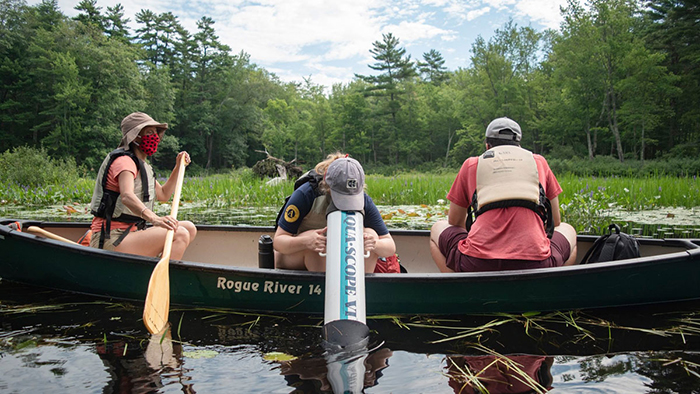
(330, 40)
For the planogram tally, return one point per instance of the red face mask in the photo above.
(149, 144)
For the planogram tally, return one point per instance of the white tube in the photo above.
(345, 268)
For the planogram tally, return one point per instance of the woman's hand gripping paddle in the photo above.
(157, 306)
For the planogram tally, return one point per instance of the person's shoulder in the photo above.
(124, 162)
(304, 194)
(540, 159)
(470, 161)
(305, 188)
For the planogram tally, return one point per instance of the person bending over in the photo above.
(301, 231)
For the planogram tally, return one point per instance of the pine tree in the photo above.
(433, 67)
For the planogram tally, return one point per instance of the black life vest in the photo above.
(104, 201)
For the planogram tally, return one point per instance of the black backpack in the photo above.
(612, 246)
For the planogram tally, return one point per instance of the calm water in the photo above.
(53, 341)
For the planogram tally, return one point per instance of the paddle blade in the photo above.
(157, 306)
(160, 349)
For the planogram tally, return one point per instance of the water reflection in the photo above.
(336, 373)
(135, 369)
(51, 341)
(500, 374)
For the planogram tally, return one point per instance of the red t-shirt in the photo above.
(120, 164)
(512, 233)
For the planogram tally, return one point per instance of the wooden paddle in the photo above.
(157, 306)
(39, 230)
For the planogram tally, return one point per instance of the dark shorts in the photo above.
(458, 262)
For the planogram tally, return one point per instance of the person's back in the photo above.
(513, 233)
(507, 233)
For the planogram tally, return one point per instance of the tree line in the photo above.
(619, 78)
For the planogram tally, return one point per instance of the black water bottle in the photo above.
(266, 257)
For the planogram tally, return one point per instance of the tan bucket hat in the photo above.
(134, 123)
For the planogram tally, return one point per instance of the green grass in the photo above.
(59, 193)
(230, 190)
(408, 189)
(632, 193)
(220, 191)
(586, 202)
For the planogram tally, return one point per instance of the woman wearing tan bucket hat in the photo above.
(126, 190)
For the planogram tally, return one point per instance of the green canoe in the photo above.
(220, 270)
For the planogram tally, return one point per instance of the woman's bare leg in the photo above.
(150, 242)
(190, 227)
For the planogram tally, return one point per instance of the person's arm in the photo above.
(457, 215)
(459, 193)
(382, 245)
(164, 192)
(551, 186)
(131, 201)
(288, 243)
(556, 214)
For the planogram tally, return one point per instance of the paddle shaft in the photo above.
(38, 230)
(157, 304)
(167, 248)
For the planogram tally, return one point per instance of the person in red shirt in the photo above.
(125, 193)
(510, 236)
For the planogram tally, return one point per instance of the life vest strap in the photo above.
(543, 209)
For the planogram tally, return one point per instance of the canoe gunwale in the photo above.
(657, 277)
(692, 251)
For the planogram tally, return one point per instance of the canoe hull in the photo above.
(661, 278)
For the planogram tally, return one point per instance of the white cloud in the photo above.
(545, 12)
(283, 31)
(473, 14)
(330, 40)
(499, 4)
(409, 32)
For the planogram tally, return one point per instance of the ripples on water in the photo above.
(89, 345)
(103, 347)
